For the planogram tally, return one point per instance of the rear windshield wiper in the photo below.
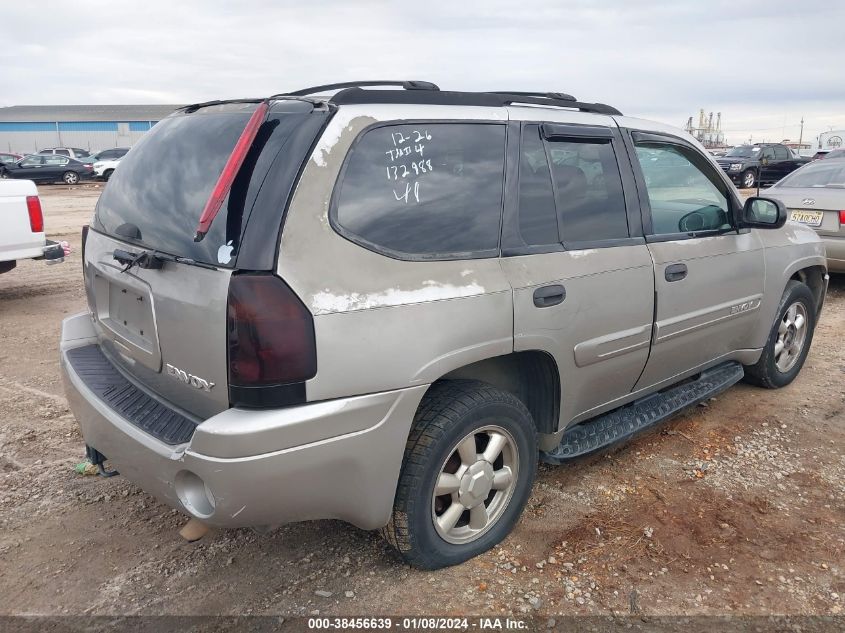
(153, 260)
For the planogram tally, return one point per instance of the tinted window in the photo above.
(590, 202)
(164, 183)
(684, 192)
(56, 160)
(163, 187)
(537, 214)
(781, 153)
(32, 160)
(63, 152)
(428, 189)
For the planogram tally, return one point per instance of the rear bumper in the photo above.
(338, 459)
(50, 251)
(835, 248)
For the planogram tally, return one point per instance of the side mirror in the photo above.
(763, 213)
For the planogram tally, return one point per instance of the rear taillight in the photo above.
(36, 218)
(842, 218)
(272, 350)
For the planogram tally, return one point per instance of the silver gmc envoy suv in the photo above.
(382, 302)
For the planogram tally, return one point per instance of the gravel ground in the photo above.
(735, 507)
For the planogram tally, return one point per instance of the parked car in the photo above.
(391, 305)
(6, 158)
(71, 152)
(815, 196)
(105, 168)
(50, 168)
(114, 153)
(22, 226)
(766, 162)
(836, 153)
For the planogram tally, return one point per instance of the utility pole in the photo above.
(801, 136)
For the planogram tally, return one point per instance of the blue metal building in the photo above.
(28, 129)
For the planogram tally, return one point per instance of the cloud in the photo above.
(755, 62)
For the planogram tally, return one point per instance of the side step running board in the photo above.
(621, 424)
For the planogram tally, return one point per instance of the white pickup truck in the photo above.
(22, 226)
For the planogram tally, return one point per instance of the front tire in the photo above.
(107, 174)
(70, 178)
(789, 340)
(748, 179)
(469, 465)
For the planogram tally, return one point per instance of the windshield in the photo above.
(817, 174)
(743, 151)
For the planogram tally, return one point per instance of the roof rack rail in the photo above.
(355, 95)
(407, 85)
(561, 96)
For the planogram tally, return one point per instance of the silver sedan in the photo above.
(815, 196)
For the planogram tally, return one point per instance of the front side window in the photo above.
(781, 153)
(430, 190)
(684, 192)
(588, 187)
(63, 152)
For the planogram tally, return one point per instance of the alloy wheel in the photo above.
(792, 333)
(748, 180)
(475, 484)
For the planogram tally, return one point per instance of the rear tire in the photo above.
(70, 178)
(477, 445)
(789, 340)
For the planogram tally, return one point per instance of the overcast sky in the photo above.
(763, 64)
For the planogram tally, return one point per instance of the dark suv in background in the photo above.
(763, 162)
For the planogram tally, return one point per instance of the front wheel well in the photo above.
(532, 376)
(813, 278)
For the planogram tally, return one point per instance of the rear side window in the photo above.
(570, 190)
(588, 187)
(537, 213)
(424, 190)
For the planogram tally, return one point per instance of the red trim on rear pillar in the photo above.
(227, 176)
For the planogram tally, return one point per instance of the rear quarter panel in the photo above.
(383, 323)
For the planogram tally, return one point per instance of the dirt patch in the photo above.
(734, 507)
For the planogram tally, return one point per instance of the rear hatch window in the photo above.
(154, 200)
